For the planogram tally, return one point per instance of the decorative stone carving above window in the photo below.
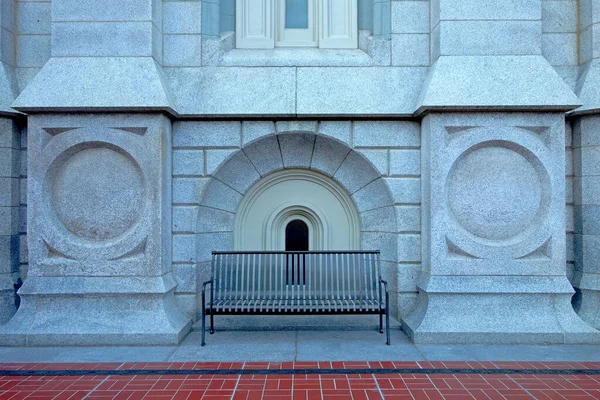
(326, 24)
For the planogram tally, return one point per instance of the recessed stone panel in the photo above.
(97, 193)
(495, 192)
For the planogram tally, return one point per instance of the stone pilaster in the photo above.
(99, 185)
(493, 187)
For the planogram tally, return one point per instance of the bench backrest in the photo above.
(296, 275)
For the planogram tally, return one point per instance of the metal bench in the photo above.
(295, 282)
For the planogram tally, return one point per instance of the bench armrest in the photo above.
(384, 283)
(206, 284)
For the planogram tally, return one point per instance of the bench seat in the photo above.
(297, 282)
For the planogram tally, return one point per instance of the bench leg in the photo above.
(387, 317)
(212, 323)
(203, 342)
(380, 322)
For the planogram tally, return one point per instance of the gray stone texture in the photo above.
(492, 266)
(586, 217)
(99, 254)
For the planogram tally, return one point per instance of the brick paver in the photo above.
(301, 381)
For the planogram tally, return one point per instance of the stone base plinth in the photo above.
(589, 304)
(497, 310)
(74, 311)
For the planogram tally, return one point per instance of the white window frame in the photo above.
(260, 24)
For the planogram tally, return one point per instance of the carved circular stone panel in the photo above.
(495, 192)
(97, 193)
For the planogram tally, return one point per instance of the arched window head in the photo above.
(296, 236)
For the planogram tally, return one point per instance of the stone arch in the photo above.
(297, 150)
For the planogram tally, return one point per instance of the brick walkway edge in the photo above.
(301, 380)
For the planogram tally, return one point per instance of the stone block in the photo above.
(9, 192)
(385, 242)
(570, 190)
(559, 16)
(261, 154)
(373, 196)
(188, 190)
(328, 155)
(490, 38)
(220, 196)
(109, 10)
(586, 132)
(410, 17)
(34, 18)
(410, 50)
(206, 134)
(210, 20)
(379, 159)
(252, 130)
(386, 134)
(182, 50)
(9, 253)
(586, 161)
(355, 172)
(182, 17)
(7, 47)
(209, 242)
(586, 45)
(589, 13)
(23, 191)
(185, 275)
(378, 220)
(568, 161)
(102, 39)
(23, 219)
(7, 16)
(215, 159)
(185, 219)
(525, 82)
(405, 190)
(340, 130)
(187, 304)
(188, 162)
(405, 162)
(358, 91)
(587, 219)
(295, 126)
(33, 50)
(9, 167)
(587, 190)
(408, 276)
(409, 218)
(560, 48)
(409, 248)
(111, 82)
(238, 172)
(213, 220)
(233, 91)
(587, 253)
(296, 149)
(184, 248)
(23, 253)
(570, 218)
(9, 134)
(491, 10)
(10, 220)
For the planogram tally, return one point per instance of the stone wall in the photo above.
(204, 153)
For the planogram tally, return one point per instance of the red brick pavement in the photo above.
(300, 386)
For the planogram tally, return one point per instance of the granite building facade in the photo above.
(459, 137)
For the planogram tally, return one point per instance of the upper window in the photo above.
(327, 24)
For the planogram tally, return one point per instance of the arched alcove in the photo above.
(360, 185)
